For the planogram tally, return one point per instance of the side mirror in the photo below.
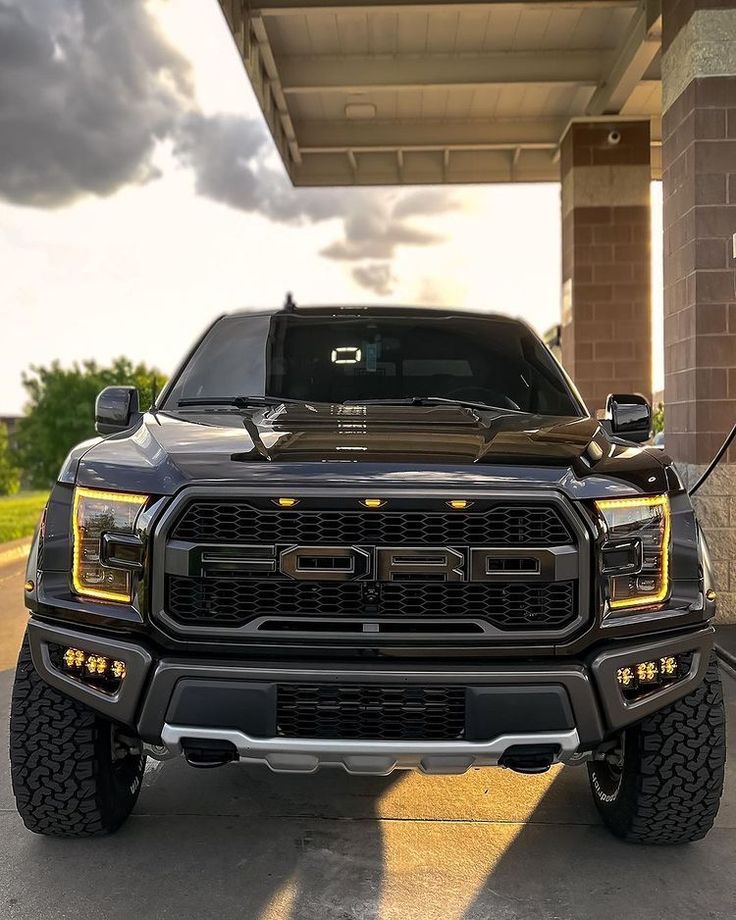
(116, 409)
(629, 416)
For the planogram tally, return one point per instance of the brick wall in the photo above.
(715, 506)
(699, 185)
(606, 260)
(699, 161)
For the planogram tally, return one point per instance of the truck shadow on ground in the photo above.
(241, 842)
(247, 844)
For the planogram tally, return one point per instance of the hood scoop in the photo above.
(337, 416)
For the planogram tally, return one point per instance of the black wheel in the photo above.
(663, 783)
(72, 776)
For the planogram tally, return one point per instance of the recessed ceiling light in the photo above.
(360, 110)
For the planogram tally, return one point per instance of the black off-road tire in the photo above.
(66, 780)
(668, 785)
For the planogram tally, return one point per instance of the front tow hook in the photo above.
(206, 754)
(530, 758)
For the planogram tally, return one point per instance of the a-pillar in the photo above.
(606, 332)
(699, 163)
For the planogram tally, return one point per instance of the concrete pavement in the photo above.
(245, 843)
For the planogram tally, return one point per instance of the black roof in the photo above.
(382, 310)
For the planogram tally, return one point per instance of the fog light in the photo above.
(647, 672)
(625, 676)
(96, 664)
(95, 670)
(668, 667)
(74, 658)
(118, 669)
(643, 677)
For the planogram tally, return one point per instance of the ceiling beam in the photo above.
(637, 50)
(302, 7)
(252, 43)
(448, 134)
(361, 73)
(276, 92)
(431, 168)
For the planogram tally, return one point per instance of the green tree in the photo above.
(61, 408)
(9, 472)
(658, 419)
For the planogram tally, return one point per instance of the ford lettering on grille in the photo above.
(388, 563)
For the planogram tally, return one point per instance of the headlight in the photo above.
(106, 549)
(636, 553)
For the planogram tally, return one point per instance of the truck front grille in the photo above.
(232, 602)
(500, 525)
(505, 565)
(378, 713)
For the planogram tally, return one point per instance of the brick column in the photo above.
(606, 262)
(699, 187)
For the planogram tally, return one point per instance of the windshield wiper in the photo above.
(240, 402)
(431, 401)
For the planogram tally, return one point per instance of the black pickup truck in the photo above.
(376, 539)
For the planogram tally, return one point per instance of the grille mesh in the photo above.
(501, 525)
(217, 601)
(378, 713)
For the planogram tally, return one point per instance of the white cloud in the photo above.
(142, 271)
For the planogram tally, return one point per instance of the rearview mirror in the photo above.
(116, 409)
(629, 416)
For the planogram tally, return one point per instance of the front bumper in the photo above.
(567, 707)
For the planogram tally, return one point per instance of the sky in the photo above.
(141, 197)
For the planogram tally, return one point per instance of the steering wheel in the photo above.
(478, 394)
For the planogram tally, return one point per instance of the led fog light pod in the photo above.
(74, 658)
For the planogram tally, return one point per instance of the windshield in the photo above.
(338, 359)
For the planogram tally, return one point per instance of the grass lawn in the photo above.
(19, 514)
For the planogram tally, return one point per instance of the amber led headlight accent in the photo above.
(636, 551)
(98, 518)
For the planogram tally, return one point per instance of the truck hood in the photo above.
(431, 445)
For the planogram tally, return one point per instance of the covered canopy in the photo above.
(391, 92)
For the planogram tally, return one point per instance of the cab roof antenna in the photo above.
(289, 303)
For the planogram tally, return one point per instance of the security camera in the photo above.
(614, 137)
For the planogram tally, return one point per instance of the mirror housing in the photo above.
(629, 416)
(116, 409)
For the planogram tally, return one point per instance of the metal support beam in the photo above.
(446, 134)
(301, 7)
(364, 167)
(275, 91)
(632, 58)
(251, 39)
(360, 73)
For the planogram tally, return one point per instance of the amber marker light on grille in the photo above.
(628, 530)
(372, 502)
(94, 514)
(287, 502)
(458, 504)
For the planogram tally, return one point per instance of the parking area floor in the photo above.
(245, 843)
